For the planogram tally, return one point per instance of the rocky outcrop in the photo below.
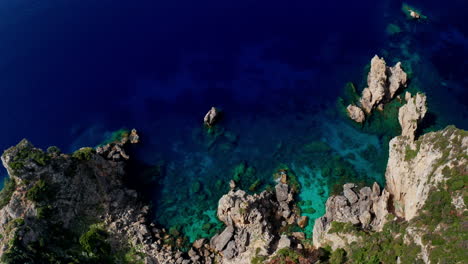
(415, 167)
(212, 117)
(253, 223)
(383, 83)
(366, 208)
(356, 113)
(410, 114)
(58, 194)
(115, 150)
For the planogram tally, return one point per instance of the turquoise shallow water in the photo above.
(322, 149)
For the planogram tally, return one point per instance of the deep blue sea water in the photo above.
(73, 71)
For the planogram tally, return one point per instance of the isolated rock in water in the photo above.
(375, 91)
(134, 138)
(356, 113)
(383, 83)
(411, 114)
(414, 14)
(212, 117)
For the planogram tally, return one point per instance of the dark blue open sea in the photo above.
(71, 72)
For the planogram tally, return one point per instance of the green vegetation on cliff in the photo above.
(9, 187)
(84, 154)
(442, 224)
(95, 243)
(40, 192)
(387, 246)
(27, 153)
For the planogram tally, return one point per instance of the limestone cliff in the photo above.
(421, 210)
(414, 168)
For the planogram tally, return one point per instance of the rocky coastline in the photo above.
(76, 208)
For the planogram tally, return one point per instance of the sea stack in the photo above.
(212, 117)
(383, 83)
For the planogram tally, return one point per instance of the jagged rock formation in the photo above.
(383, 83)
(414, 168)
(212, 117)
(252, 223)
(116, 150)
(411, 114)
(59, 195)
(434, 164)
(367, 208)
(84, 192)
(425, 186)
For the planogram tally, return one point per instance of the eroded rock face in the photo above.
(365, 208)
(376, 88)
(252, 223)
(414, 167)
(383, 83)
(356, 113)
(397, 78)
(411, 114)
(212, 117)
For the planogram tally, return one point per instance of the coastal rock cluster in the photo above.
(252, 223)
(435, 163)
(383, 83)
(84, 192)
(369, 208)
(116, 150)
(365, 207)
